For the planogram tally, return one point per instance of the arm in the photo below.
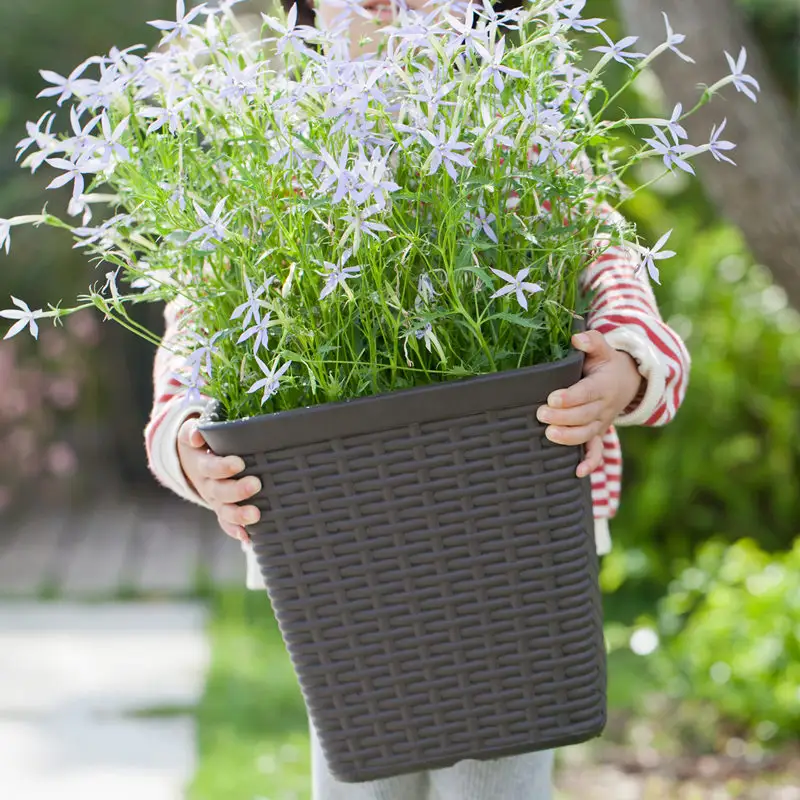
(170, 410)
(624, 310)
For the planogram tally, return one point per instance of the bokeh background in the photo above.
(703, 585)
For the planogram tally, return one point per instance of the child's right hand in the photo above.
(212, 477)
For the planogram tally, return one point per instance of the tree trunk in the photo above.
(762, 194)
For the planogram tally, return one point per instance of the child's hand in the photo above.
(582, 413)
(212, 478)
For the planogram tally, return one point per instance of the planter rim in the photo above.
(461, 397)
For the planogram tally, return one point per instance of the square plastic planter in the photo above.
(431, 561)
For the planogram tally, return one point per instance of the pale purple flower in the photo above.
(5, 234)
(432, 93)
(444, 151)
(741, 81)
(111, 285)
(359, 223)
(64, 88)
(193, 383)
(291, 36)
(655, 253)
(673, 124)
(570, 12)
(493, 66)
(466, 34)
(372, 180)
(427, 334)
(338, 174)
(482, 221)
(619, 50)
(260, 330)
(674, 39)
(239, 81)
(671, 153)
(109, 146)
(336, 274)
(517, 285)
(44, 140)
(213, 228)
(25, 319)
(574, 86)
(270, 383)
(716, 145)
(251, 308)
(180, 27)
(555, 148)
(200, 357)
(169, 114)
(72, 172)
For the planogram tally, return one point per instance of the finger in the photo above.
(218, 468)
(234, 491)
(593, 457)
(238, 515)
(234, 531)
(585, 391)
(570, 417)
(593, 343)
(188, 434)
(572, 436)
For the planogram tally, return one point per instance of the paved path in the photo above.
(154, 548)
(72, 678)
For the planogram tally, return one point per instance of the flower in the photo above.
(336, 274)
(260, 330)
(617, 50)
(372, 180)
(741, 81)
(655, 253)
(517, 285)
(5, 234)
(444, 151)
(570, 12)
(64, 88)
(25, 318)
(493, 66)
(482, 221)
(214, 227)
(716, 146)
(72, 172)
(251, 308)
(673, 125)
(672, 153)
(270, 383)
(180, 28)
(674, 39)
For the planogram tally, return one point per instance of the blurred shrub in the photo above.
(731, 637)
(729, 464)
(40, 424)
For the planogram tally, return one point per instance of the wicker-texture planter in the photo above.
(430, 558)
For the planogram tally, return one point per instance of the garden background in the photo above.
(703, 585)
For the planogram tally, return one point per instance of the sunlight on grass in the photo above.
(253, 736)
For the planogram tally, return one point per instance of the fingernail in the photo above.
(556, 400)
(582, 471)
(582, 339)
(252, 485)
(551, 433)
(542, 414)
(251, 515)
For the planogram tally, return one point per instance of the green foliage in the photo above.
(731, 623)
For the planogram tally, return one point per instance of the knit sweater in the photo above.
(622, 308)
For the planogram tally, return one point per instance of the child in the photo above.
(635, 373)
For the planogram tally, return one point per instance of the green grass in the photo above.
(253, 734)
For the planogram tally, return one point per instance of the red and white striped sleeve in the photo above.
(623, 308)
(170, 409)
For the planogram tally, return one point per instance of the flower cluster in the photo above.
(340, 226)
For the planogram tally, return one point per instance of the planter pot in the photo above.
(430, 558)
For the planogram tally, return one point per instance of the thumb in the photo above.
(189, 435)
(593, 343)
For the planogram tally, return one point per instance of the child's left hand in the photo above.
(582, 413)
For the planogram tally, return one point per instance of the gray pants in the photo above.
(526, 777)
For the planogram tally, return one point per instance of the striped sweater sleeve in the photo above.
(170, 410)
(623, 308)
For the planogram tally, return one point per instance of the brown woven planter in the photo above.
(430, 558)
